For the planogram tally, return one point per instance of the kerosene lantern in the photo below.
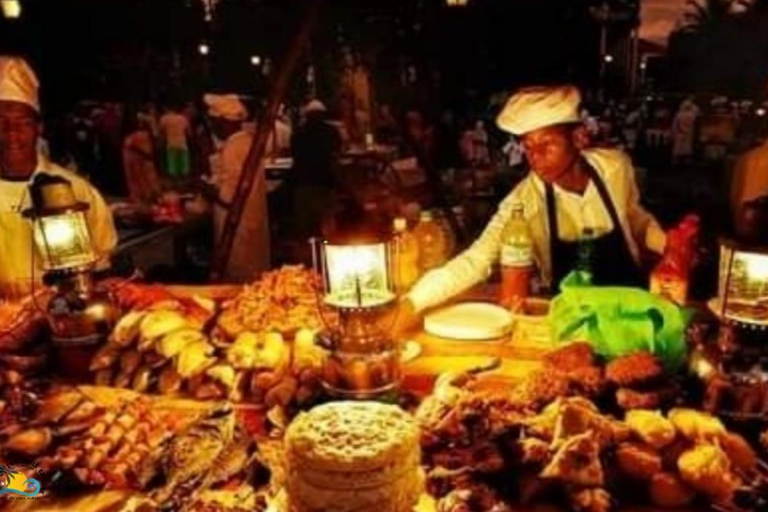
(363, 360)
(735, 368)
(80, 315)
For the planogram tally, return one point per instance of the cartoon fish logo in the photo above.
(13, 481)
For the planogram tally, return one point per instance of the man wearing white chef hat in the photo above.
(570, 190)
(19, 163)
(251, 249)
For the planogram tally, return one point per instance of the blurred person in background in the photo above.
(316, 146)
(251, 252)
(139, 158)
(175, 133)
(684, 131)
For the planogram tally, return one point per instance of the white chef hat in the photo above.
(18, 82)
(314, 106)
(225, 106)
(532, 108)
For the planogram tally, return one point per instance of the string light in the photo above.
(255, 60)
(203, 49)
(210, 8)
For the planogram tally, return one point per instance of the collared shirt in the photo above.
(574, 214)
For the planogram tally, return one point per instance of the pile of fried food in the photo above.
(283, 300)
(165, 345)
(79, 441)
(634, 381)
(484, 450)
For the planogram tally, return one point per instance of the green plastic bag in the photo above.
(618, 321)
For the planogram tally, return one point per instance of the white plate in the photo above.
(469, 321)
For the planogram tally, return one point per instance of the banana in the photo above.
(173, 343)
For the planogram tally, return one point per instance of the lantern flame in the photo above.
(756, 267)
(64, 240)
(357, 275)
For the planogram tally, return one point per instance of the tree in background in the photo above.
(721, 47)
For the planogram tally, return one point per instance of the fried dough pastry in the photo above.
(634, 369)
(577, 462)
(651, 427)
(741, 454)
(696, 425)
(706, 469)
(637, 461)
(668, 490)
(571, 357)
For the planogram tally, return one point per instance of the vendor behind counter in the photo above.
(19, 164)
(570, 188)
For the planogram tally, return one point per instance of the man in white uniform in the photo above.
(570, 189)
(251, 249)
(19, 163)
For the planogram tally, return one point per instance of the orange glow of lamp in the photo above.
(363, 359)
(80, 315)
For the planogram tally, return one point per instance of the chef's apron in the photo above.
(612, 261)
(16, 252)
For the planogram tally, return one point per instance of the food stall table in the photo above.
(520, 353)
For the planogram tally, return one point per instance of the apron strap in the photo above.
(605, 196)
(551, 217)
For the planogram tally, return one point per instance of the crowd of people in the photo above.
(142, 151)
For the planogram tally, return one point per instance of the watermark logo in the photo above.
(15, 482)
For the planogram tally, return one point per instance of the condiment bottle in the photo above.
(406, 256)
(431, 242)
(516, 261)
(670, 278)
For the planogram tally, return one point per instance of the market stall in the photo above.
(293, 393)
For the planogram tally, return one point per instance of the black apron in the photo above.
(612, 261)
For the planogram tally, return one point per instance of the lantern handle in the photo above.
(318, 265)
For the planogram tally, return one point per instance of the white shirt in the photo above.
(574, 214)
(577, 212)
(174, 128)
(251, 249)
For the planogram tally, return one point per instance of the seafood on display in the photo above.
(96, 445)
(126, 442)
(487, 450)
(211, 451)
